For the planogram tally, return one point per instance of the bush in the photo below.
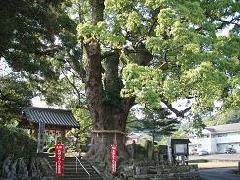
(15, 142)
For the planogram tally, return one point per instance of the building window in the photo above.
(222, 135)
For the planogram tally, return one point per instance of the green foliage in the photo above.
(28, 26)
(227, 116)
(155, 121)
(197, 125)
(143, 82)
(16, 143)
(15, 94)
(192, 60)
(205, 82)
(180, 133)
(82, 115)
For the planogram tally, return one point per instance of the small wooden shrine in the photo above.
(48, 121)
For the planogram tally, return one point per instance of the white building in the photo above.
(216, 139)
(137, 137)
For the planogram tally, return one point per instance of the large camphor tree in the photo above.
(117, 53)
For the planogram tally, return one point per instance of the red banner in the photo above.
(114, 156)
(59, 159)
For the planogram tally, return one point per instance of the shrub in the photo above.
(15, 142)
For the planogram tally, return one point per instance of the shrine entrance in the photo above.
(50, 122)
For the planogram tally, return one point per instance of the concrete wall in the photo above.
(216, 143)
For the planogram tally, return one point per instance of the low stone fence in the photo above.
(162, 172)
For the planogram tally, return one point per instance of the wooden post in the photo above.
(40, 139)
(239, 167)
(63, 136)
(34, 133)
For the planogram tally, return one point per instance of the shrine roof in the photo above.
(51, 116)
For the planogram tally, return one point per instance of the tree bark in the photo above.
(108, 110)
(103, 84)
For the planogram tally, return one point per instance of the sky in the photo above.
(37, 102)
(4, 68)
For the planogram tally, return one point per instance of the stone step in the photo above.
(74, 165)
(78, 177)
(73, 171)
(70, 170)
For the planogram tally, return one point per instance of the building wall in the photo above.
(216, 143)
(198, 144)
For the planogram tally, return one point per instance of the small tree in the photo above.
(156, 121)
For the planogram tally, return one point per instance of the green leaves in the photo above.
(204, 82)
(143, 82)
(115, 4)
(190, 58)
(133, 21)
(100, 32)
(14, 96)
(83, 117)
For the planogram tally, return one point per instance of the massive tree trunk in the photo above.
(103, 84)
(108, 110)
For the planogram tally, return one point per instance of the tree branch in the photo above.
(128, 103)
(97, 7)
(49, 52)
(77, 65)
(75, 89)
(175, 111)
(224, 22)
(108, 54)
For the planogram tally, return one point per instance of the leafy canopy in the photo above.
(14, 96)
(225, 117)
(178, 42)
(191, 58)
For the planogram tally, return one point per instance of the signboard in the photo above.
(59, 159)
(114, 156)
(40, 141)
(180, 148)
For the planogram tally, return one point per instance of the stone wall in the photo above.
(161, 172)
(26, 169)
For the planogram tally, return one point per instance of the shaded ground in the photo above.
(218, 174)
(217, 166)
